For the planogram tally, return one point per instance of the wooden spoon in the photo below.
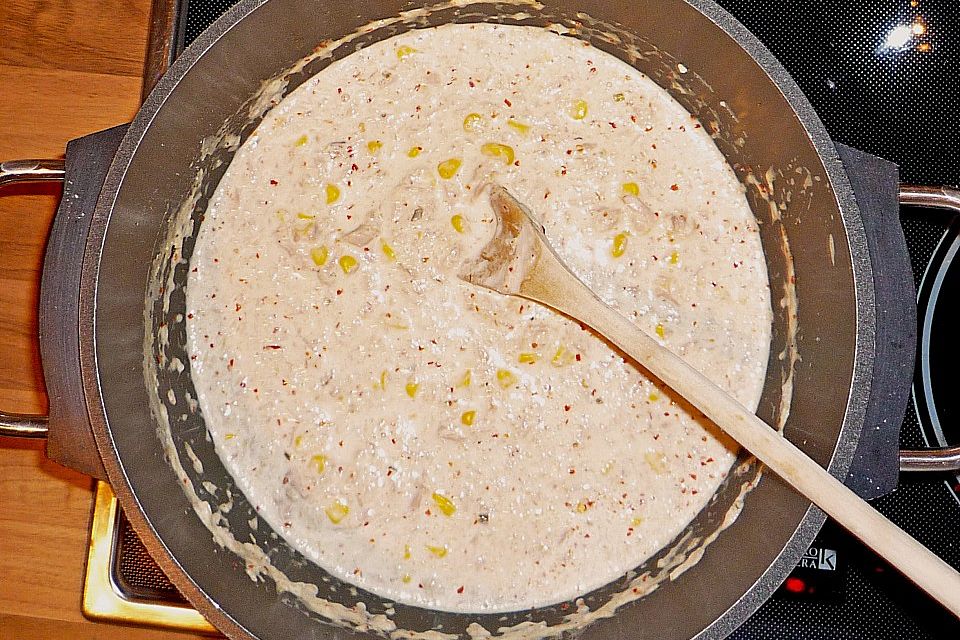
(519, 261)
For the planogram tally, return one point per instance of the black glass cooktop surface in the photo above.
(883, 75)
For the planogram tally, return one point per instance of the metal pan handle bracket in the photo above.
(16, 172)
(947, 458)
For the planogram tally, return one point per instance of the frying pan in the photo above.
(822, 376)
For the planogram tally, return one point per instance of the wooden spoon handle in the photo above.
(551, 283)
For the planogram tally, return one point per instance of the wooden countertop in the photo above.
(67, 67)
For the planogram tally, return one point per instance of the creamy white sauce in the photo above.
(331, 339)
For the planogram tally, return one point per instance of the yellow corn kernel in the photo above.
(319, 462)
(374, 145)
(229, 436)
(653, 397)
(674, 257)
(497, 150)
(466, 379)
(337, 511)
(347, 263)
(305, 216)
(444, 503)
(527, 358)
(319, 255)
(406, 552)
(404, 50)
(406, 578)
(467, 418)
(448, 168)
(618, 97)
(303, 229)
(636, 522)
(631, 189)
(412, 389)
(659, 330)
(437, 551)
(578, 110)
(562, 357)
(302, 140)
(388, 250)
(619, 245)
(414, 151)
(457, 222)
(515, 124)
(333, 193)
(506, 378)
(472, 122)
(581, 507)
(657, 461)
(298, 441)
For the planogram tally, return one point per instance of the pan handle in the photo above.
(16, 172)
(948, 199)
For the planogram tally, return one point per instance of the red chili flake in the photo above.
(354, 167)
(573, 471)
(507, 102)
(578, 357)
(460, 590)
(470, 82)
(339, 291)
(674, 187)
(566, 407)
(613, 124)
(427, 512)
(274, 183)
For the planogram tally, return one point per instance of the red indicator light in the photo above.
(795, 585)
